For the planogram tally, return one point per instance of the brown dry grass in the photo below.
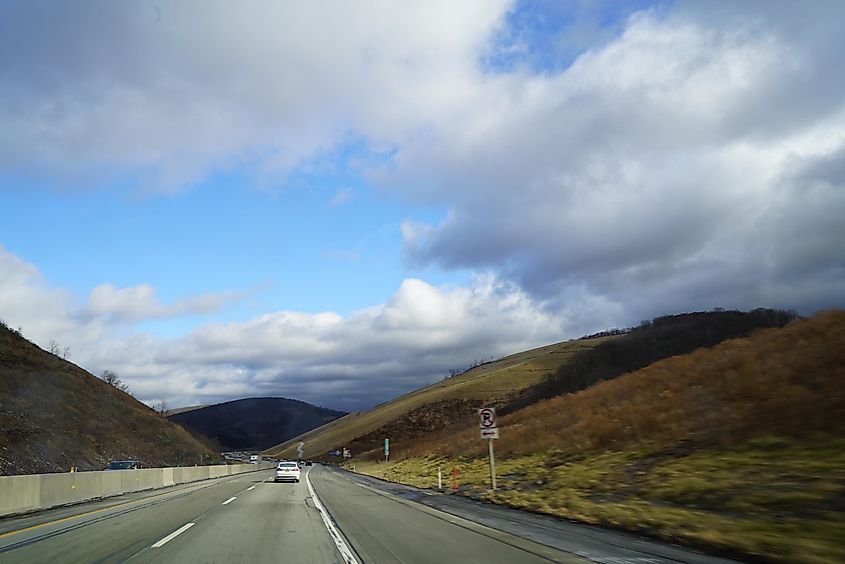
(788, 382)
(740, 448)
(54, 415)
(489, 382)
(771, 498)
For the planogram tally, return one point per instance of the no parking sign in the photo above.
(487, 423)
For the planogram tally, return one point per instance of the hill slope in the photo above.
(54, 415)
(436, 406)
(739, 448)
(527, 377)
(254, 423)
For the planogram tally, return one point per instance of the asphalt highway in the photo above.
(333, 517)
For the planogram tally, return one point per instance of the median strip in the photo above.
(172, 535)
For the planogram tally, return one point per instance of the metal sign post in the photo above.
(489, 431)
(492, 463)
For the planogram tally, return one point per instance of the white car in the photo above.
(287, 472)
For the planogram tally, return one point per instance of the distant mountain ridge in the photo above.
(55, 415)
(254, 423)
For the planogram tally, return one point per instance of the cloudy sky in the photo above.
(341, 201)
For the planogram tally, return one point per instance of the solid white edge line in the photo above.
(172, 535)
(230, 500)
(342, 547)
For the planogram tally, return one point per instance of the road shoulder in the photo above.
(586, 541)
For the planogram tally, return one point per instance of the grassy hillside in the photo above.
(54, 415)
(739, 448)
(431, 407)
(254, 423)
(525, 378)
(655, 340)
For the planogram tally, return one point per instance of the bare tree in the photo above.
(112, 379)
(56, 349)
(162, 407)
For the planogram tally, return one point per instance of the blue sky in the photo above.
(321, 242)
(342, 203)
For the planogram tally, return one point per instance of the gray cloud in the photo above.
(171, 91)
(693, 160)
(666, 170)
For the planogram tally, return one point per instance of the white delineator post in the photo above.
(439, 478)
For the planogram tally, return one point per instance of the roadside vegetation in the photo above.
(739, 448)
(54, 416)
(524, 378)
(435, 407)
(638, 347)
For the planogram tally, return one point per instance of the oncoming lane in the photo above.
(190, 524)
(112, 529)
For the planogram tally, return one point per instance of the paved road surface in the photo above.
(248, 518)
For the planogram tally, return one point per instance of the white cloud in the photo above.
(25, 296)
(175, 90)
(695, 160)
(353, 362)
(140, 302)
(658, 173)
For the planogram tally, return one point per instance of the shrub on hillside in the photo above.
(781, 382)
(662, 338)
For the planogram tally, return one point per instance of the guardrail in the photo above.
(33, 492)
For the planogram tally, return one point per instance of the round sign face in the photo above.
(487, 418)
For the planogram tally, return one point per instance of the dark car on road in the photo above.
(124, 465)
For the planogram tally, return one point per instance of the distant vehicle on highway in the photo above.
(287, 472)
(123, 465)
(309, 462)
(255, 459)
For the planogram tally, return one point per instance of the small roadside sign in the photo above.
(490, 433)
(487, 423)
(486, 418)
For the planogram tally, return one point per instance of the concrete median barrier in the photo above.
(34, 492)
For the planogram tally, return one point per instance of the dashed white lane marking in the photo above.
(250, 489)
(230, 500)
(341, 545)
(172, 535)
